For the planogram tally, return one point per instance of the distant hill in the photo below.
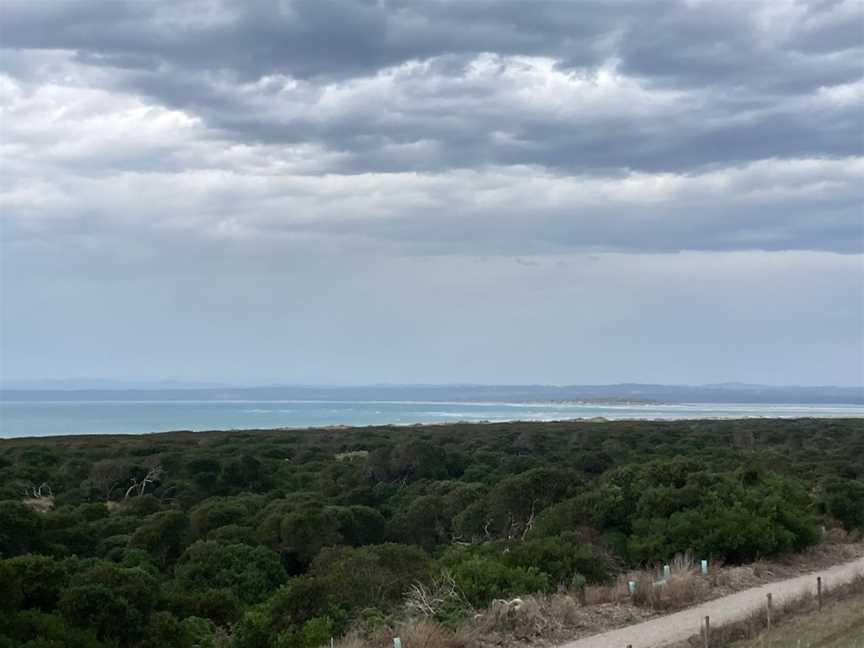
(719, 393)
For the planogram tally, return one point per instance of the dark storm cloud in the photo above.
(258, 114)
(343, 38)
(742, 71)
(304, 38)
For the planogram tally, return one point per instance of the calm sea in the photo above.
(20, 419)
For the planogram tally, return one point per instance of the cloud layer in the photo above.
(578, 124)
(161, 137)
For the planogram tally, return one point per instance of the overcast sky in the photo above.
(466, 191)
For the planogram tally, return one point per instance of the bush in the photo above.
(314, 633)
(36, 629)
(41, 579)
(738, 517)
(844, 499)
(562, 557)
(20, 529)
(376, 576)
(480, 579)
(250, 572)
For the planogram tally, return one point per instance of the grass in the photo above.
(799, 623)
(683, 587)
(839, 625)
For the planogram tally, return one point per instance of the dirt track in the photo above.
(681, 625)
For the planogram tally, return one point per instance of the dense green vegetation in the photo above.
(284, 538)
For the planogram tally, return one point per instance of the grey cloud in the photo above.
(462, 126)
(432, 191)
(658, 88)
(772, 206)
(723, 58)
(706, 42)
(303, 38)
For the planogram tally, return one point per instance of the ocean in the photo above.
(51, 418)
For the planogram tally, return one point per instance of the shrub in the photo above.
(250, 572)
(20, 529)
(41, 579)
(481, 579)
(561, 557)
(844, 499)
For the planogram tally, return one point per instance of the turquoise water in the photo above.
(20, 419)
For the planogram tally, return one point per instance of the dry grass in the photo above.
(352, 640)
(39, 504)
(684, 586)
(754, 626)
(600, 594)
(839, 625)
(539, 620)
(737, 577)
(352, 455)
(549, 619)
(530, 617)
(426, 634)
(422, 633)
(677, 591)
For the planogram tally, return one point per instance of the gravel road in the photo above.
(681, 625)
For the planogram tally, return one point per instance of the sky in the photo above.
(508, 192)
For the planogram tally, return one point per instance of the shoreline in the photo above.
(597, 420)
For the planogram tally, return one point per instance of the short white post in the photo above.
(703, 566)
(397, 642)
(631, 587)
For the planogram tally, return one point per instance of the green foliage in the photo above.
(514, 501)
(301, 529)
(253, 629)
(13, 591)
(250, 572)
(217, 512)
(199, 632)
(844, 499)
(20, 529)
(741, 517)
(220, 606)
(301, 599)
(280, 537)
(162, 535)
(376, 576)
(112, 600)
(561, 558)
(314, 633)
(41, 579)
(568, 515)
(481, 578)
(98, 608)
(36, 629)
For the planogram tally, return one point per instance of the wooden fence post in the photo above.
(819, 590)
(769, 610)
(707, 632)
